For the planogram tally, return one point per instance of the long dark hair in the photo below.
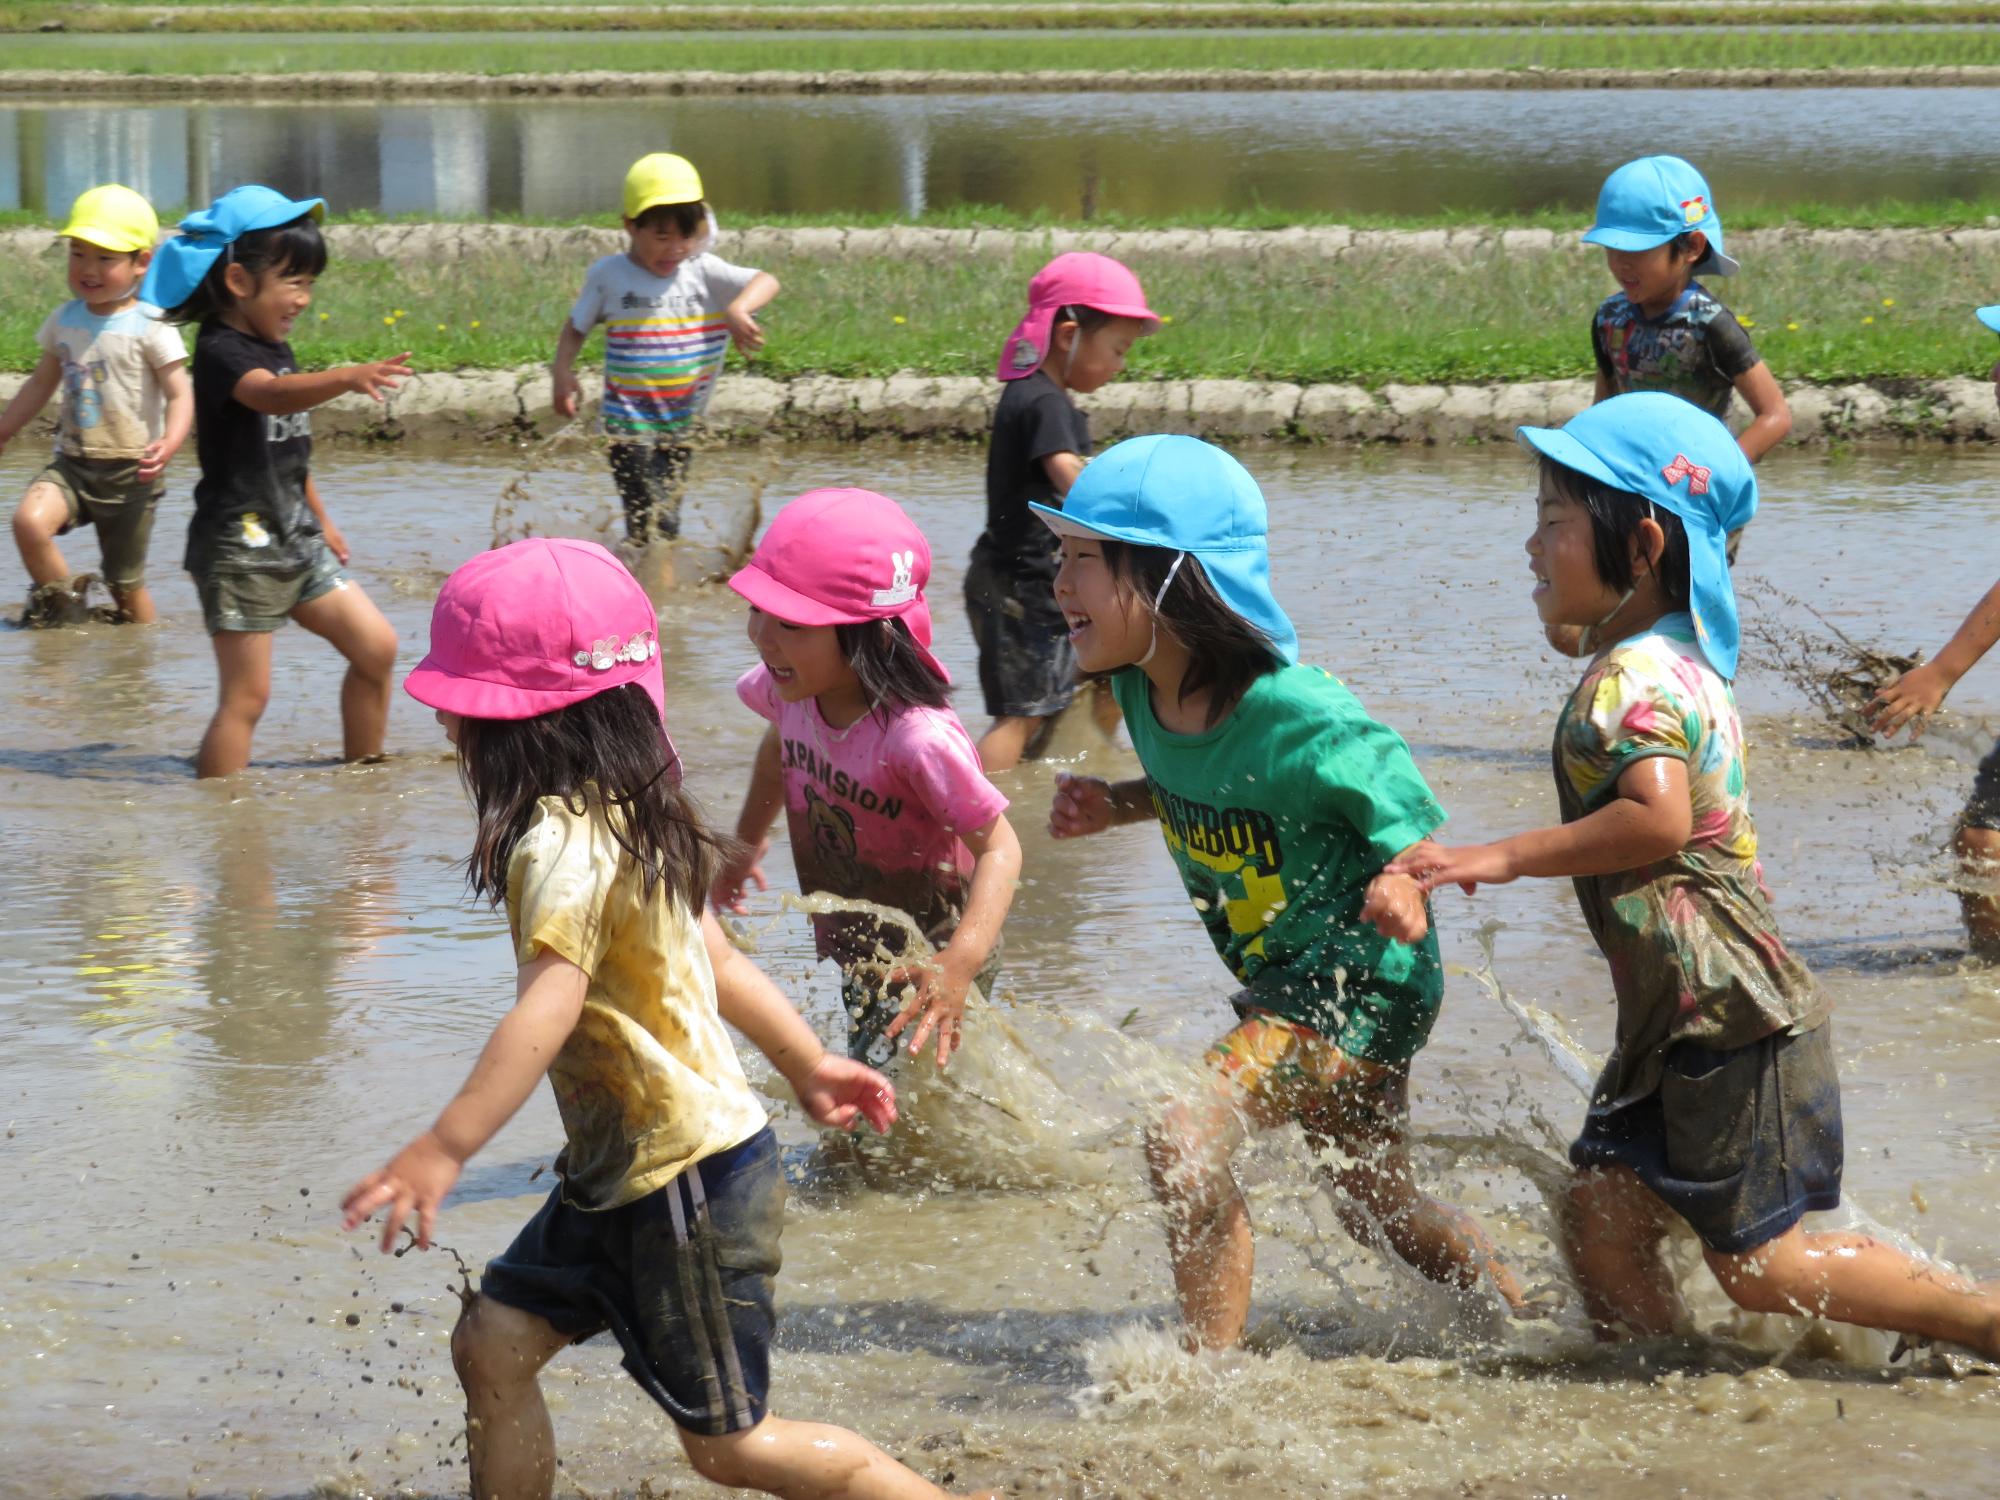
(1614, 520)
(1226, 653)
(893, 675)
(608, 748)
(297, 248)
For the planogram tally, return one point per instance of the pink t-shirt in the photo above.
(876, 810)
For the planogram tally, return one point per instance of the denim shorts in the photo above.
(262, 602)
(1742, 1144)
(682, 1277)
(1027, 667)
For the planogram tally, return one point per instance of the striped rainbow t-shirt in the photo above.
(664, 338)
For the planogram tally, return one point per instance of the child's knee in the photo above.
(735, 1460)
(494, 1347)
(1183, 1162)
(1773, 1278)
(373, 654)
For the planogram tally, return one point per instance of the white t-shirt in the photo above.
(664, 338)
(112, 401)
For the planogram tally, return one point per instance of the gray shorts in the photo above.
(107, 493)
(262, 602)
(1027, 667)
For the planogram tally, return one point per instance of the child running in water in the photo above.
(1085, 312)
(1281, 802)
(126, 409)
(1719, 1102)
(260, 546)
(1920, 692)
(544, 670)
(877, 777)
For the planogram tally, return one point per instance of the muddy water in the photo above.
(225, 1002)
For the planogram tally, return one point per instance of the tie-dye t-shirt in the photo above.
(877, 811)
(648, 1083)
(1694, 948)
(664, 339)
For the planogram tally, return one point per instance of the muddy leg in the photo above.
(804, 1461)
(1208, 1223)
(1979, 862)
(1612, 1226)
(497, 1351)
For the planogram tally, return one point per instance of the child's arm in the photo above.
(761, 806)
(835, 1091)
(562, 372)
(1650, 818)
(1771, 417)
(1090, 804)
(1062, 469)
(941, 984)
(742, 312)
(336, 543)
(179, 391)
(1916, 695)
(33, 395)
(302, 390)
(549, 995)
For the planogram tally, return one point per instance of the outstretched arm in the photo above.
(281, 395)
(1913, 697)
(548, 999)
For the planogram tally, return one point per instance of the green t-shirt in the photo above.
(1278, 818)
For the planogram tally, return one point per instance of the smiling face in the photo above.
(1099, 355)
(805, 661)
(268, 302)
(105, 280)
(1562, 554)
(658, 248)
(1651, 279)
(1109, 624)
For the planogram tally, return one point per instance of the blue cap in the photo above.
(1990, 316)
(179, 265)
(1652, 200)
(1671, 452)
(1183, 495)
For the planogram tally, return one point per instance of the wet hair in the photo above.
(1614, 520)
(294, 249)
(686, 217)
(1226, 653)
(893, 673)
(607, 749)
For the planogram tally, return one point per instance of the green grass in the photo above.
(1370, 321)
(1635, 49)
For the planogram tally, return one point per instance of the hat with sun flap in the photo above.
(1653, 201)
(1183, 495)
(843, 557)
(180, 264)
(536, 626)
(1675, 455)
(1076, 278)
(1990, 316)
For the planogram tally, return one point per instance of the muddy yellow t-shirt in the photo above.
(648, 1083)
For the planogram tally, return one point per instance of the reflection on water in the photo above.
(1068, 155)
(224, 1001)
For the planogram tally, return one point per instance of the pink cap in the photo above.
(839, 557)
(1079, 278)
(536, 626)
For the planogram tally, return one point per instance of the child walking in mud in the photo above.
(544, 670)
(1719, 1102)
(1085, 311)
(670, 310)
(877, 778)
(261, 546)
(1282, 802)
(126, 409)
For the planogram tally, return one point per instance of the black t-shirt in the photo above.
(1034, 419)
(250, 512)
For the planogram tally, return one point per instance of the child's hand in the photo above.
(1395, 904)
(1082, 806)
(152, 460)
(744, 330)
(737, 876)
(416, 1180)
(335, 542)
(371, 380)
(1911, 699)
(1432, 865)
(565, 392)
(940, 987)
(841, 1092)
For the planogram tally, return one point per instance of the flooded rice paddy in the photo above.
(224, 1002)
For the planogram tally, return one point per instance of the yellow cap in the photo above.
(113, 218)
(660, 178)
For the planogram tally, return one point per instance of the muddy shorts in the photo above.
(107, 493)
(682, 1278)
(652, 478)
(870, 1009)
(262, 602)
(1027, 667)
(1742, 1144)
(1982, 808)
(1300, 1074)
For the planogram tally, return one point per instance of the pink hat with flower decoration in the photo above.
(1077, 278)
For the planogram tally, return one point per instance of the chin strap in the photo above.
(1154, 644)
(1589, 638)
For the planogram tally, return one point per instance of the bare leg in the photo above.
(1380, 1204)
(1612, 1225)
(1979, 863)
(804, 1461)
(498, 1351)
(135, 604)
(1004, 745)
(1208, 1223)
(41, 514)
(243, 665)
(1854, 1278)
(349, 620)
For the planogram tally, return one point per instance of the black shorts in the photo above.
(1027, 667)
(1982, 808)
(652, 478)
(683, 1277)
(1742, 1144)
